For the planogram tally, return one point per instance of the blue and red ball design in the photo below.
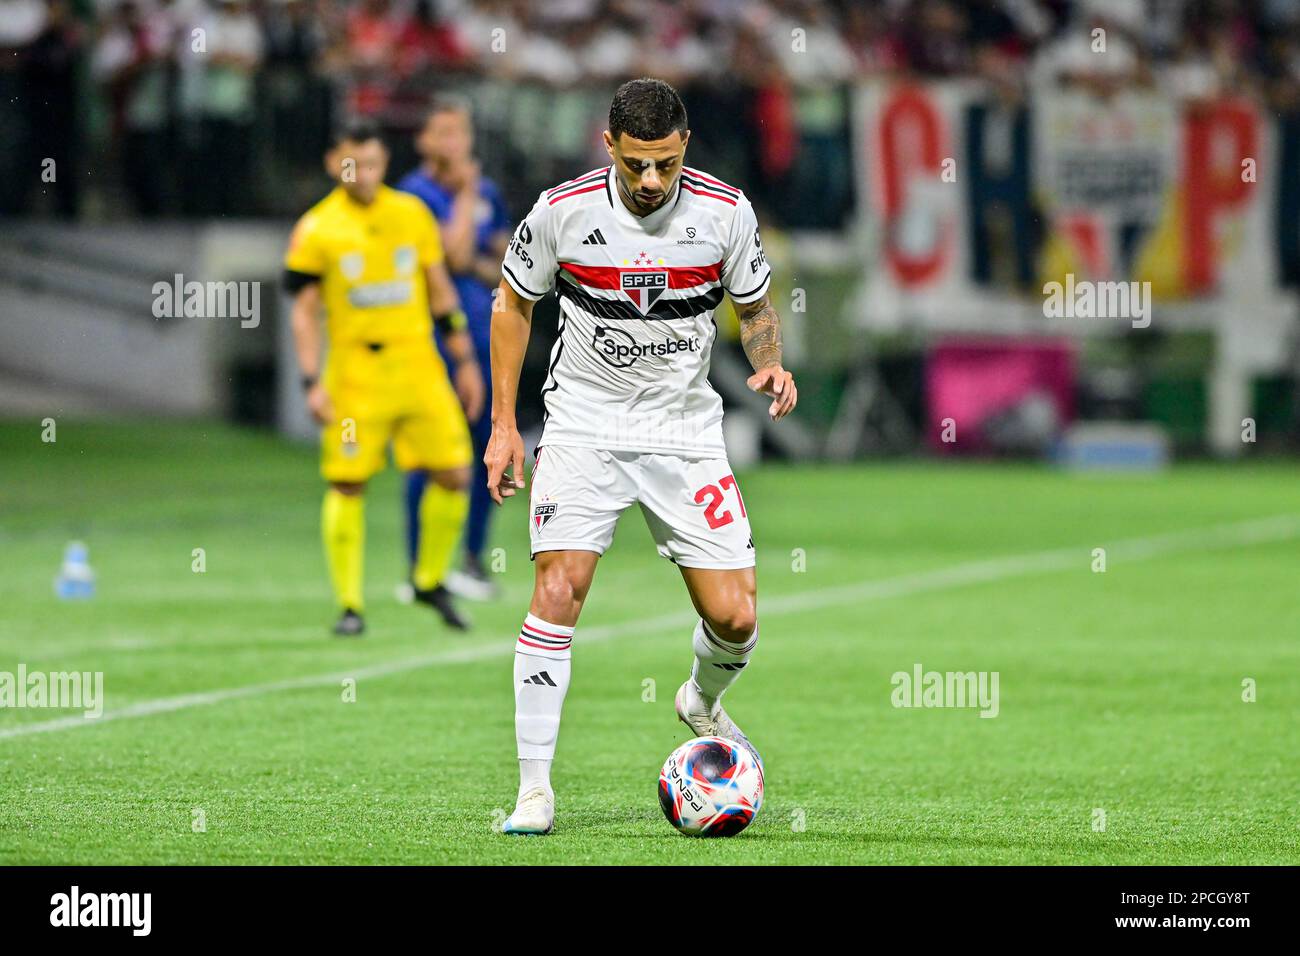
(711, 786)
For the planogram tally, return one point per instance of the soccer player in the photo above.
(640, 254)
(372, 257)
(475, 228)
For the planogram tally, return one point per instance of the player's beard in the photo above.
(646, 203)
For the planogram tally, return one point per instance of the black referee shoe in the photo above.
(439, 598)
(350, 624)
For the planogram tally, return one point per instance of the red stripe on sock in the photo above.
(544, 647)
(539, 631)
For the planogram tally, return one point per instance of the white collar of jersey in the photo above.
(650, 223)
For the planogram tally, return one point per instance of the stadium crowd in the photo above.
(220, 107)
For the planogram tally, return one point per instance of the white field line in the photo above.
(1238, 534)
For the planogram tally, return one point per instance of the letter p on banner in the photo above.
(1216, 141)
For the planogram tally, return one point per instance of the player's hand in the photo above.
(469, 389)
(319, 404)
(505, 453)
(465, 177)
(777, 382)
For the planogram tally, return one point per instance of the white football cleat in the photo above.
(534, 814)
(469, 587)
(692, 711)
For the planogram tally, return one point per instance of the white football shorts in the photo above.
(693, 507)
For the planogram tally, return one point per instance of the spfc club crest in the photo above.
(542, 513)
(644, 287)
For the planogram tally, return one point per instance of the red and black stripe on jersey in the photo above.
(609, 277)
(615, 310)
(694, 181)
(717, 184)
(577, 180)
(586, 183)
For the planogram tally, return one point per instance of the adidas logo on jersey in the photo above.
(595, 239)
(541, 679)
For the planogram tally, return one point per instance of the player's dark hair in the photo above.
(447, 103)
(355, 131)
(646, 109)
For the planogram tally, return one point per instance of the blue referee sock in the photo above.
(415, 482)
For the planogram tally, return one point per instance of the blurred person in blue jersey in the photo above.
(475, 229)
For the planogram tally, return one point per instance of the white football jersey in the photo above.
(630, 368)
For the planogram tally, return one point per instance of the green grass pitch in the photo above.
(1120, 692)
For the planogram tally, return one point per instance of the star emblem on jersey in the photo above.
(543, 513)
(645, 285)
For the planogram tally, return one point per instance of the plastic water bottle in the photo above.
(76, 581)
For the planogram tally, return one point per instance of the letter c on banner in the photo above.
(911, 143)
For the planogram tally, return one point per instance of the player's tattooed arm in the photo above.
(760, 332)
(760, 335)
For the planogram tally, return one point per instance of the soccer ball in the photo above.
(711, 786)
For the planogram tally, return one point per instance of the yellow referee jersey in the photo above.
(370, 261)
(385, 379)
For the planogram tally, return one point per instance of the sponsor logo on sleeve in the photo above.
(759, 259)
(522, 237)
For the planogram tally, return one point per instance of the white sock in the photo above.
(541, 681)
(717, 662)
(534, 774)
